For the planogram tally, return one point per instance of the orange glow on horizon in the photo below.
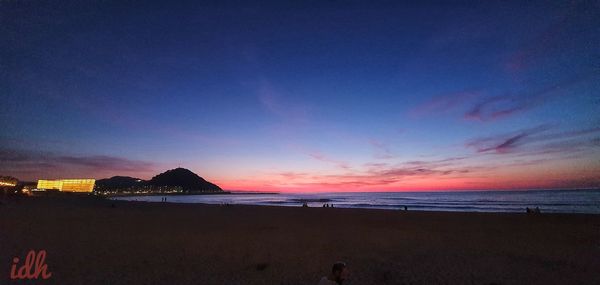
(496, 179)
(452, 185)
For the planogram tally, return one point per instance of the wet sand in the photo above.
(90, 242)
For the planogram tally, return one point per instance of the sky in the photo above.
(304, 96)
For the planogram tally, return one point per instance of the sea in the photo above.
(548, 201)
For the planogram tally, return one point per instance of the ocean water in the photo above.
(549, 201)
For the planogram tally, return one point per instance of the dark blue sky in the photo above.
(326, 95)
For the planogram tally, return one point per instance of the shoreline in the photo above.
(184, 194)
(161, 194)
(359, 208)
(72, 199)
(412, 203)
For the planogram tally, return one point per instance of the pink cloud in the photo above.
(321, 157)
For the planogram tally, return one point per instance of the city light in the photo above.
(68, 185)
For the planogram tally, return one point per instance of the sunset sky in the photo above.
(311, 96)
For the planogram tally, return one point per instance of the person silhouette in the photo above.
(339, 274)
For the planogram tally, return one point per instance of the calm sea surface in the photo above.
(549, 201)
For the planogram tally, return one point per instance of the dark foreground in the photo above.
(90, 242)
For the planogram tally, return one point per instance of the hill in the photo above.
(184, 178)
(120, 182)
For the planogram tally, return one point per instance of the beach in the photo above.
(90, 240)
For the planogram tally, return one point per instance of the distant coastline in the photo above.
(187, 194)
(164, 194)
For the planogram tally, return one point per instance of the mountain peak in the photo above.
(184, 178)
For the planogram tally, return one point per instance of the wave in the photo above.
(571, 201)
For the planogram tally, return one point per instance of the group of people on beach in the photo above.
(535, 210)
(163, 199)
(326, 205)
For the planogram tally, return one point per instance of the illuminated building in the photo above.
(7, 181)
(9, 184)
(67, 185)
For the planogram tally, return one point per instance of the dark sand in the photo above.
(88, 242)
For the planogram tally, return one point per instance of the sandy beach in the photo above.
(88, 241)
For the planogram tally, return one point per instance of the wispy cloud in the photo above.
(292, 175)
(105, 163)
(444, 103)
(496, 107)
(27, 164)
(481, 106)
(322, 157)
(457, 172)
(504, 143)
(382, 150)
(543, 139)
(274, 101)
(376, 175)
(387, 176)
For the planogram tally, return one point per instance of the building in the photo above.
(7, 181)
(8, 184)
(67, 185)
